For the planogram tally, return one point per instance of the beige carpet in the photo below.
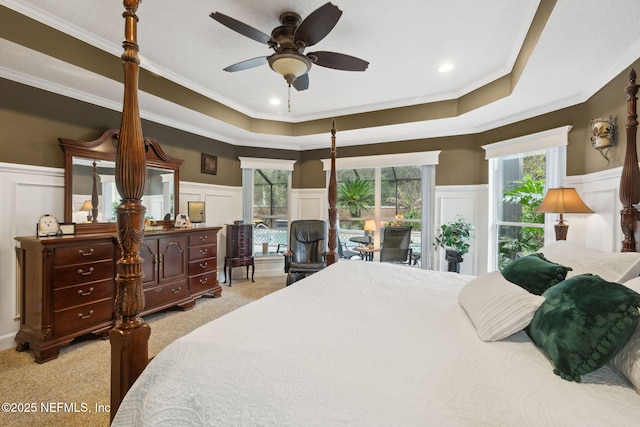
(80, 375)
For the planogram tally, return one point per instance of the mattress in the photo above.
(365, 344)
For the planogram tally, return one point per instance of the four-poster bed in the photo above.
(352, 344)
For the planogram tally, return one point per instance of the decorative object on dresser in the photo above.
(196, 212)
(47, 226)
(239, 249)
(67, 283)
(182, 221)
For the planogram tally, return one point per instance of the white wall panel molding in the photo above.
(471, 202)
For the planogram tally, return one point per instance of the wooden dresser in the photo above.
(239, 249)
(68, 286)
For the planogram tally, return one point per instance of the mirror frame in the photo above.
(104, 148)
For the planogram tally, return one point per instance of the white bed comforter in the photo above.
(365, 344)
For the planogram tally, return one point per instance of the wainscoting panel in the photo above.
(309, 204)
(470, 202)
(223, 205)
(27, 193)
(600, 230)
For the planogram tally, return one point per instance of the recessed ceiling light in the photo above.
(274, 101)
(446, 67)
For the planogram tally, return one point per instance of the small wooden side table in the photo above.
(367, 252)
(230, 262)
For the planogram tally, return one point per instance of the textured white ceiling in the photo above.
(584, 44)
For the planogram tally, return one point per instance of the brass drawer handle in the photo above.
(203, 281)
(84, 294)
(175, 291)
(85, 273)
(83, 253)
(203, 251)
(203, 238)
(203, 265)
(83, 317)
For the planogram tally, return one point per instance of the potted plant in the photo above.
(454, 238)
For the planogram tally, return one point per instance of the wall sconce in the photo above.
(603, 135)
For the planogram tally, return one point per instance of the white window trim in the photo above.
(554, 142)
(536, 141)
(422, 158)
(256, 163)
(248, 166)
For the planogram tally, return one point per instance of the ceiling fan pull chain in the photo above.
(289, 98)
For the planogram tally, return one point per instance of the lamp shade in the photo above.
(370, 225)
(86, 206)
(563, 200)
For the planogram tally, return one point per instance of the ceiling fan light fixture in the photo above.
(289, 65)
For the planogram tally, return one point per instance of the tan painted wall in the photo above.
(32, 120)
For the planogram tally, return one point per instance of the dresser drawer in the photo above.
(202, 252)
(83, 316)
(82, 273)
(202, 266)
(200, 238)
(165, 294)
(82, 294)
(202, 282)
(88, 252)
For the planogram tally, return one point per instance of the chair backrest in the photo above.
(395, 246)
(307, 240)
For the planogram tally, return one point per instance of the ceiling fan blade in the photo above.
(245, 65)
(302, 82)
(316, 26)
(241, 27)
(338, 61)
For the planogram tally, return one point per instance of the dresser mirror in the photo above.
(91, 195)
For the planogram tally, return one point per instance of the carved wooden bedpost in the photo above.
(129, 338)
(630, 178)
(332, 257)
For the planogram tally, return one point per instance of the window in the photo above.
(520, 171)
(520, 184)
(266, 187)
(391, 189)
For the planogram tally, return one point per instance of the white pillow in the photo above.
(611, 266)
(627, 360)
(497, 308)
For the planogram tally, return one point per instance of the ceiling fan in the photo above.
(289, 42)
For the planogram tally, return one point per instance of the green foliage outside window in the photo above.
(356, 195)
(528, 193)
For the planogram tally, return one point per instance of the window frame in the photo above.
(249, 165)
(554, 143)
(427, 160)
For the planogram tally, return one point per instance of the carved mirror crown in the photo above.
(90, 194)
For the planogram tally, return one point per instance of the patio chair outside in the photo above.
(395, 247)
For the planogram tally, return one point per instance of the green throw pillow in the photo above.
(535, 273)
(583, 323)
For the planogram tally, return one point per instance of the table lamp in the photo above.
(370, 227)
(562, 200)
(87, 207)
